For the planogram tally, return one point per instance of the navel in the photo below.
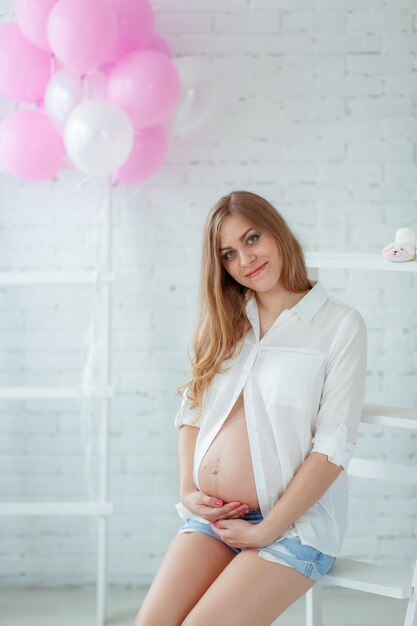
(215, 469)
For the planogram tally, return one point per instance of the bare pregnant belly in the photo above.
(226, 470)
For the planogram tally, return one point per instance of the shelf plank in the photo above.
(383, 470)
(56, 508)
(382, 415)
(362, 576)
(24, 393)
(54, 278)
(357, 261)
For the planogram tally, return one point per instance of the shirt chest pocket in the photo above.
(290, 377)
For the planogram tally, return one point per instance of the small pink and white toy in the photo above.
(403, 248)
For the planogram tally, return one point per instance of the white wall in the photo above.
(317, 113)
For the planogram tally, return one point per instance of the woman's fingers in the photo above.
(235, 513)
(230, 510)
(239, 511)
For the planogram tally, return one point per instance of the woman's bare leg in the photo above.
(191, 563)
(251, 591)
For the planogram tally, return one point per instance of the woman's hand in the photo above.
(211, 508)
(239, 533)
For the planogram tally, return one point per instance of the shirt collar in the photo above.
(306, 308)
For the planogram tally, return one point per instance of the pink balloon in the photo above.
(160, 44)
(32, 18)
(82, 33)
(30, 147)
(24, 69)
(148, 154)
(106, 68)
(146, 84)
(136, 23)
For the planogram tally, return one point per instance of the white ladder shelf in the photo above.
(349, 573)
(102, 508)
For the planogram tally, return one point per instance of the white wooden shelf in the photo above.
(349, 573)
(382, 415)
(362, 576)
(101, 279)
(56, 508)
(382, 470)
(54, 278)
(15, 393)
(357, 261)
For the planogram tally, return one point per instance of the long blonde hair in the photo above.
(222, 320)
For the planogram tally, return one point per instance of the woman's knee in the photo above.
(191, 563)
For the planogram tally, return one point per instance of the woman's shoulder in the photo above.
(340, 322)
(343, 310)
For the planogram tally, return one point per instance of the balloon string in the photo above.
(129, 198)
(94, 343)
(86, 179)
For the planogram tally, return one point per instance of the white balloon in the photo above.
(64, 90)
(98, 137)
(196, 103)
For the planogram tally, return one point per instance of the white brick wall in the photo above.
(316, 111)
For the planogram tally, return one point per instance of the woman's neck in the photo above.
(273, 303)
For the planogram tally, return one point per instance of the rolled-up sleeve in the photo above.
(185, 414)
(343, 394)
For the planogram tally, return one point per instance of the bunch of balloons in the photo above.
(95, 84)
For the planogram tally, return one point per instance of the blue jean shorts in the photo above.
(286, 551)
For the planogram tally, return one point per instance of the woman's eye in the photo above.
(226, 257)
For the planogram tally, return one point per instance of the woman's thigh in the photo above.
(191, 563)
(251, 591)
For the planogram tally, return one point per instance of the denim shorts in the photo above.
(289, 551)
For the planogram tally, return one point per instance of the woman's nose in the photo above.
(246, 259)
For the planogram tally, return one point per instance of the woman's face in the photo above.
(244, 249)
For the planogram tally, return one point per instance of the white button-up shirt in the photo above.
(304, 388)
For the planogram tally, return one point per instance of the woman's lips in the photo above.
(258, 271)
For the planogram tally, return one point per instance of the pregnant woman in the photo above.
(267, 427)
